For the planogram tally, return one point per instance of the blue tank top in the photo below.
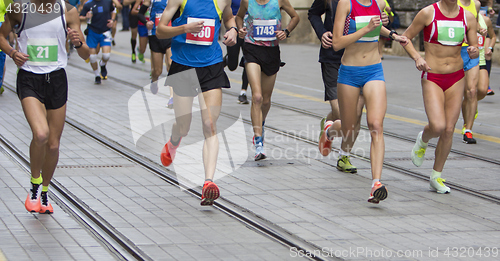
(201, 49)
(235, 6)
(157, 8)
(262, 23)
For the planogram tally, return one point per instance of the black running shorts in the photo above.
(159, 45)
(133, 20)
(51, 89)
(267, 57)
(189, 81)
(330, 73)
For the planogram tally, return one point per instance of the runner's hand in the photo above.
(242, 32)
(194, 27)
(473, 52)
(422, 65)
(150, 25)
(374, 23)
(281, 35)
(110, 23)
(385, 18)
(326, 40)
(230, 37)
(74, 36)
(20, 58)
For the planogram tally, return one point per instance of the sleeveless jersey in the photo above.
(359, 17)
(262, 23)
(157, 7)
(201, 49)
(481, 40)
(446, 31)
(471, 8)
(43, 38)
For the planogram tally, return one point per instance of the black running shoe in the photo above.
(104, 72)
(98, 80)
(469, 139)
(242, 99)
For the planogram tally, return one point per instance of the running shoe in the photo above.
(325, 144)
(209, 193)
(46, 207)
(154, 87)
(1, 89)
(168, 153)
(170, 103)
(379, 193)
(468, 139)
(97, 80)
(87, 60)
(32, 202)
(344, 164)
(463, 129)
(490, 91)
(475, 115)
(104, 72)
(242, 99)
(418, 152)
(260, 154)
(437, 185)
(133, 57)
(113, 42)
(141, 58)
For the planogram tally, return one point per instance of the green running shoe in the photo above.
(141, 58)
(1, 89)
(133, 58)
(344, 164)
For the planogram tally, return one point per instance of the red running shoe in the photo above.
(168, 153)
(46, 207)
(209, 193)
(379, 193)
(325, 145)
(32, 202)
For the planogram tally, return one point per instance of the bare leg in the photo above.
(210, 103)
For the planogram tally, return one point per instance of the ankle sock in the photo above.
(375, 181)
(37, 181)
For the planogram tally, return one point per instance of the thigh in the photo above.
(348, 100)
(375, 97)
(434, 99)
(210, 104)
(35, 114)
(254, 74)
(56, 119)
(471, 77)
(267, 85)
(453, 103)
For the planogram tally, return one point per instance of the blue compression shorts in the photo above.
(358, 76)
(468, 62)
(104, 39)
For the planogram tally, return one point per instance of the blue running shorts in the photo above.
(358, 76)
(142, 30)
(468, 62)
(93, 39)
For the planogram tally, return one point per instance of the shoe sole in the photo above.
(260, 157)
(439, 191)
(47, 212)
(352, 171)
(210, 194)
(378, 195)
(470, 142)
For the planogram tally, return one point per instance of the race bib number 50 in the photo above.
(42, 52)
(205, 36)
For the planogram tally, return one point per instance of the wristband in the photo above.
(287, 32)
(10, 52)
(491, 48)
(391, 33)
(232, 27)
(76, 47)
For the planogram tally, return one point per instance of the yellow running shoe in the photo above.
(344, 164)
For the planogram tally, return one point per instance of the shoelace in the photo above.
(346, 160)
(34, 191)
(420, 153)
(45, 200)
(440, 181)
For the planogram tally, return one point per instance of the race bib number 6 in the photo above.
(264, 30)
(205, 36)
(42, 52)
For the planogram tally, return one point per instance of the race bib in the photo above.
(264, 30)
(205, 36)
(363, 21)
(157, 18)
(480, 40)
(42, 51)
(450, 32)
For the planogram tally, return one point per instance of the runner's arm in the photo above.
(75, 34)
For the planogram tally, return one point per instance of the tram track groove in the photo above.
(394, 167)
(250, 219)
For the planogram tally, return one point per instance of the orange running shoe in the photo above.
(209, 193)
(32, 202)
(325, 145)
(379, 193)
(168, 153)
(46, 207)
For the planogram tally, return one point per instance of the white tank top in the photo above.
(43, 38)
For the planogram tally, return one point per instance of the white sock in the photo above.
(97, 73)
(102, 63)
(435, 174)
(467, 130)
(375, 181)
(343, 153)
(243, 92)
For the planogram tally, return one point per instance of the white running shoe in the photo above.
(418, 152)
(437, 185)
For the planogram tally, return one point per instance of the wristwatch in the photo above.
(491, 48)
(391, 33)
(287, 33)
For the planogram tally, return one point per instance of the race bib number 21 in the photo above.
(42, 52)
(205, 36)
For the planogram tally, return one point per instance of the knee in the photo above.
(266, 102)
(209, 127)
(156, 72)
(93, 58)
(471, 93)
(183, 129)
(106, 56)
(257, 99)
(376, 127)
(41, 138)
(437, 129)
(481, 93)
(53, 147)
